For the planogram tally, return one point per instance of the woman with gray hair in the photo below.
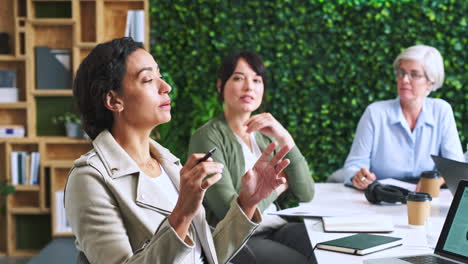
(395, 138)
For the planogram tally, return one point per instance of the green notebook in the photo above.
(360, 244)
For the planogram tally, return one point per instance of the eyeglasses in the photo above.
(413, 76)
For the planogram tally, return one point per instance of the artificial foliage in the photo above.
(327, 61)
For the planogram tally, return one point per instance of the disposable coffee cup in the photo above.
(419, 207)
(430, 183)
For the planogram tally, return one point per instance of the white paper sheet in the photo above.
(315, 212)
(358, 223)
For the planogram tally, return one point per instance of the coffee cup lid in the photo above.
(418, 197)
(430, 174)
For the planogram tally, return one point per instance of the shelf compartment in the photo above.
(24, 200)
(58, 179)
(45, 114)
(88, 21)
(57, 52)
(52, 35)
(19, 66)
(13, 116)
(21, 48)
(65, 151)
(7, 22)
(21, 23)
(52, 9)
(115, 14)
(21, 8)
(32, 233)
(24, 147)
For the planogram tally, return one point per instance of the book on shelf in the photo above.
(61, 223)
(358, 224)
(361, 244)
(25, 168)
(8, 90)
(14, 168)
(12, 131)
(35, 160)
(135, 27)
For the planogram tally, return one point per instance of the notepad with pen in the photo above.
(360, 244)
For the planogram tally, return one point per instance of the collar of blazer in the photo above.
(117, 161)
(119, 164)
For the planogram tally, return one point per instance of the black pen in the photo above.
(207, 155)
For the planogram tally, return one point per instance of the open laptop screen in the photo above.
(453, 171)
(453, 241)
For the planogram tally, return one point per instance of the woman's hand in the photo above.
(363, 178)
(268, 125)
(192, 190)
(262, 179)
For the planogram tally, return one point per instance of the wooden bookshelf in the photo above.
(28, 223)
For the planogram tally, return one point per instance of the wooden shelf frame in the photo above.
(52, 92)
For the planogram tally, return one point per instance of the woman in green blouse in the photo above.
(240, 137)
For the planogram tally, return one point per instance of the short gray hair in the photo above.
(430, 59)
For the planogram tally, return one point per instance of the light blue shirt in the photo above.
(386, 146)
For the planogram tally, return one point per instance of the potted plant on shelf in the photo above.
(72, 124)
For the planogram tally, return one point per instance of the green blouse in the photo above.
(217, 133)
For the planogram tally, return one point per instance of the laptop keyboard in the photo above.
(426, 259)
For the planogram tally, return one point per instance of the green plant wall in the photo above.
(327, 61)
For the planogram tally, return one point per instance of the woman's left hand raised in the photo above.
(268, 125)
(263, 178)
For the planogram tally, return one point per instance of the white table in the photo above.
(415, 240)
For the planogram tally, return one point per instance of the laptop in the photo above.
(452, 246)
(452, 171)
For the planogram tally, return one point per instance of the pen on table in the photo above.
(207, 155)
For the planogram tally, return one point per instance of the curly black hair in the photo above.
(101, 71)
